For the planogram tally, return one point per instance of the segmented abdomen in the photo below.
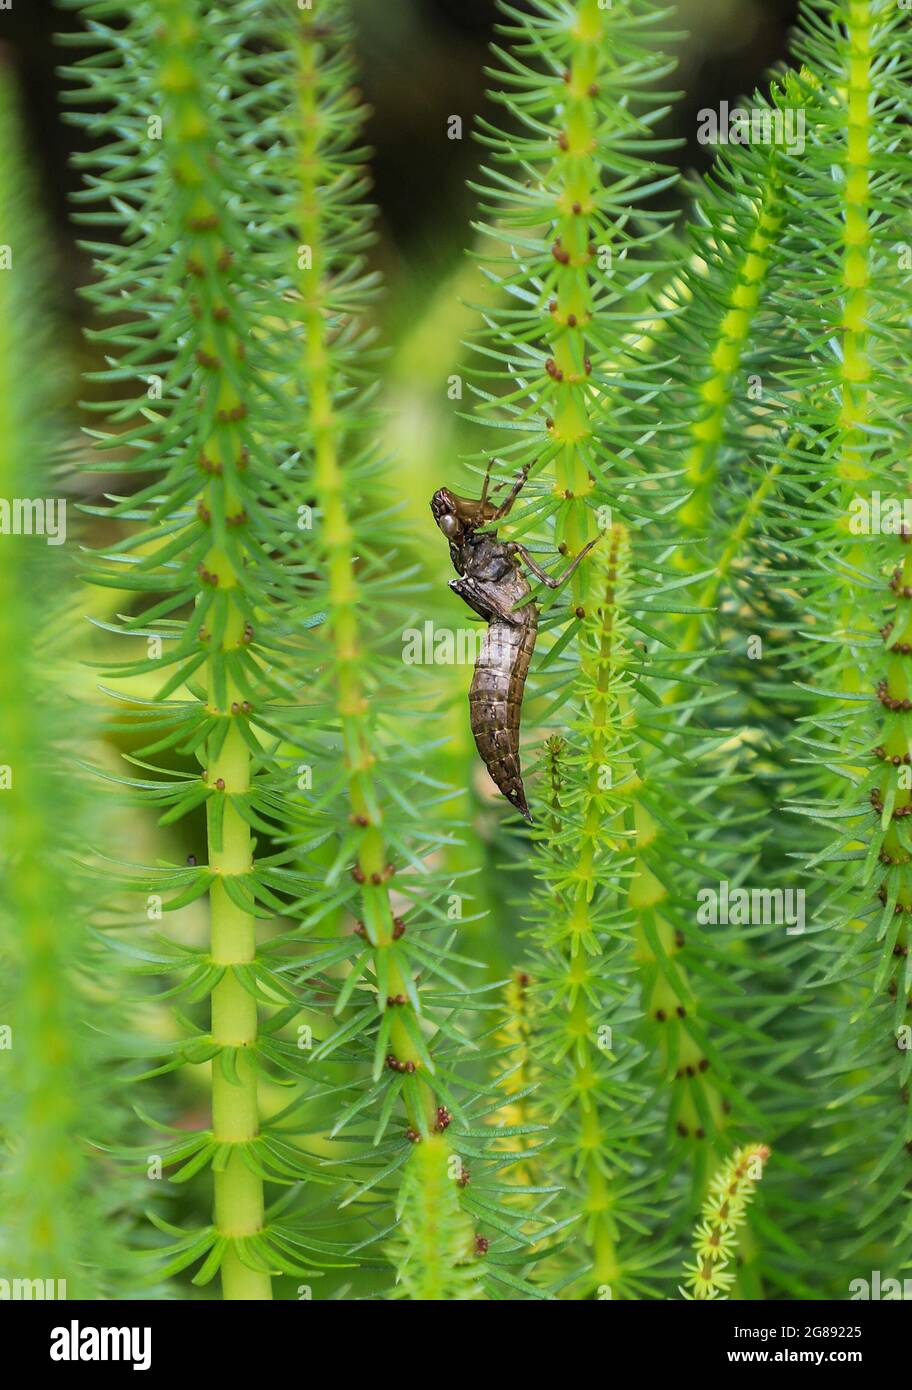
(495, 701)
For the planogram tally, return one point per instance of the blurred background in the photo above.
(421, 62)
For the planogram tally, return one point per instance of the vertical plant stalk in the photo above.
(853, 466)
(578, 86)
(891, 797)
(435, 1247)
(374, 868)
(740, 248)
(57, 1202)
(401, 981)
(573, 310)
(515, 1037)
(578, 182)
(566, 79)
(578, 862)
(842, 384)
(192, 320)
(223, 449)
(707, 429)
(724, 1213)
(597, 668)
(239, 1198)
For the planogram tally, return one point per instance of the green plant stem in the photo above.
(239, 1202)
(434, 1248)
(239, 1199)
(707, 430)
(576, 1006)
(571, 308)
(698, 1105)
(723, 1217)
(373, 868)
(853, 465)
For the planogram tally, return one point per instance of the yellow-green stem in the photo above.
(373, 865)
(853, 466)
(239, 1199)
(571, 309)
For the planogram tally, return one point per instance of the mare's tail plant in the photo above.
(839, 380)
(209, 548)
(724, 418)
(266, 581)
(403, 1011)
(618, 884)
(572, 251)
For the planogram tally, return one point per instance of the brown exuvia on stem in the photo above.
(492, 583)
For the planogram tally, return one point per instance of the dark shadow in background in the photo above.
(421, 62)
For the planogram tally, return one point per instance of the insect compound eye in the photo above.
(448, 524)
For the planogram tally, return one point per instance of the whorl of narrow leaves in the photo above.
(435, 1251)
(582, 1035)
(740, 209)
(568, 188)
(724, 1212)
(401, 1010)
(570, 302)
(696, 439)
(334, 226)
(205, 563)
(840, 377)
(58, 1205)
(566, 293)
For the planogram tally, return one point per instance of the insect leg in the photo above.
(487, 479)
(508, 501)
(553, 581)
